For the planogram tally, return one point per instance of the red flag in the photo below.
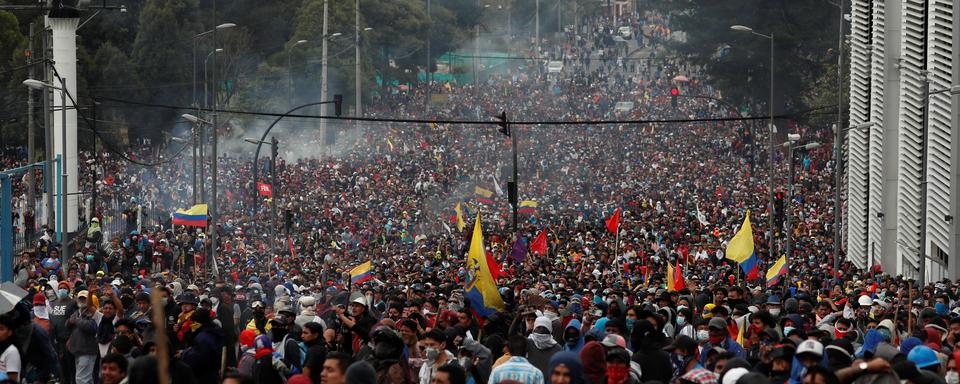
(495, 270)
(264, 189)
(678, 282)
(293, 252)
(613, 223)
(539, 245)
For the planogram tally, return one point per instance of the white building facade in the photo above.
(895, 47)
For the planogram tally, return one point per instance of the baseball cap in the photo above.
(718, 323)
(810, 346)
(614, 341)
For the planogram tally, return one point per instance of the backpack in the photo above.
(301, 347)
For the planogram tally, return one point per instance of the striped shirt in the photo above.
(516, 369)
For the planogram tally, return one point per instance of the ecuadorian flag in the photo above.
(361, 273)
(741, 250)
(196, 216)
(481, 289)
(776, 270)
(527, 207)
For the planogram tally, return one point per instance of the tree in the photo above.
(737, 62)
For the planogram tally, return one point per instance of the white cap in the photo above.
(810, 346)
(865, 301)
(733, 375)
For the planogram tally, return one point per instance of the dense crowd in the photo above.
(272, 301)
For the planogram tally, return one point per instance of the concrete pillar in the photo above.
(65, 62)
(890, 125)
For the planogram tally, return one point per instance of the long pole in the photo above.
(214, 213)
(476, 54)
(323, 81)
(516, 180)
(838, 161)
(48, 128)
(537, 28)
(194, 133)
(93, 193)
(427, 72)
(772, 245)
(65, 236)
(274, 187)
(31, 156)
(787, 209)
(922, 248)
(356, 50)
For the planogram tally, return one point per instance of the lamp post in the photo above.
(275, 191)
(195, 39)
(788, 209)
(323, 78)
(770, 129)
(64, 237)
(290, 71)
(199, 136)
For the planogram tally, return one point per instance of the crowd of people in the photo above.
(273, 301)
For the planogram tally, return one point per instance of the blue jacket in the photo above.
(204, 353)
(727, 344)
(575, 324)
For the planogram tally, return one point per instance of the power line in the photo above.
(469, 122)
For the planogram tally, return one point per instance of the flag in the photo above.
(539, 245)
(741, 250)
(460, 223)
(527, 206)
(678, 282)
(293, 252)
(264, 189)
(483, 195)
(740, 334)
(519, 251)
(196, 216)
(361, 273)
(671, 287)
(390, 143)
(481, 289)
(776, 270)
(701, 217)
(613, 223)
(495, 270)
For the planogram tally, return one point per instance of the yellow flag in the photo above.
(741, 246)
(670, 286)
(480, 288)
(460, 223)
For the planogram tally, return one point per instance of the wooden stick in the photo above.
(160, 336)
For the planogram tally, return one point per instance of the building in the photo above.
(896, 46)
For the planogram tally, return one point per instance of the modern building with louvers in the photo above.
(904, 57)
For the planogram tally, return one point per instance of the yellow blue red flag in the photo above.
(196, 216)
(776, 270)
(361, 273)
(480, 287)
(742, 251)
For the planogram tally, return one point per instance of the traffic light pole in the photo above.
(274, 148)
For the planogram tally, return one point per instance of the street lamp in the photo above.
(64, 234)
(290, 70)
(206, 103)
(273, 143)
(771, 128)
(788, 211)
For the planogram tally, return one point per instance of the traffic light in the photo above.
(674, 92)
(504, 127)
(337, 104)
(274, 147)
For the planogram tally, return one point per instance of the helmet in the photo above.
(865, 301)
(188, 298)
(923, 356)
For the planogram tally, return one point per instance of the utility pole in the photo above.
(48, 128)
(214, 213)
(31, 156)
(537, 29)
(274, 150)
(924, 136)
(476, 53)
(427, 73)
(323, 82)
(838, 160)
(357, 74)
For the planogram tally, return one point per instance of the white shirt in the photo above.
(10, 360)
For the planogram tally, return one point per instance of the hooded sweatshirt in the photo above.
(542, 346)
(361, 372)
(576, 347)
(654, 362)
(570, 360)
(594, 360)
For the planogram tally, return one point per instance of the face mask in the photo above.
(617, 374)
(62, 293)
(40, 311)
(787, 330)
(163, 301)
(215, 300)
(837, 335)
(775, 311)
(681, 320)
(432, 354)
(572, 339)
(952, 377)
(82, 306)
(703, 335)
(465, 362)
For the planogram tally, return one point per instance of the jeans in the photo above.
(86, 365)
